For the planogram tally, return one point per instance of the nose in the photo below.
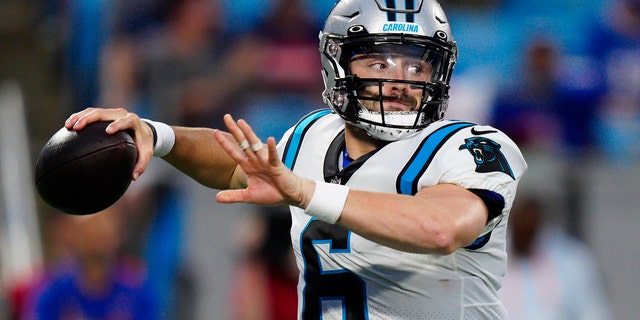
(396, 87)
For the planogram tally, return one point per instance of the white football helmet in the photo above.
(417, 29)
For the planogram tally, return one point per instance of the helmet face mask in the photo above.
(389, 83)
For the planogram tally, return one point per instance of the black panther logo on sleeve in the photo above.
(487, 155)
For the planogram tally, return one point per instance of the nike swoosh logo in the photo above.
(478, 133)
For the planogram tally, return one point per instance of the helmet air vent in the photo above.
(441, 35)
(357, 29)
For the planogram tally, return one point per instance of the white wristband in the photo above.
(164, 137)
(327, 201)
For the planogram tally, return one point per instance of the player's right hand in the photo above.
(121, 119)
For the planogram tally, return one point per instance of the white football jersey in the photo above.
(345, 276)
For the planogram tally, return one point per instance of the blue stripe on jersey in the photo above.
(480, 242)
(293, 145)
(408, 180)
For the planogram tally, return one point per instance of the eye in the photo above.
(379, 66)
(417, 69)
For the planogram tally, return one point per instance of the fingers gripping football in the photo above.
(121, 120)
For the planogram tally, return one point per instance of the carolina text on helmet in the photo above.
(400, 27)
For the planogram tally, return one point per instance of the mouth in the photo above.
(393, 103)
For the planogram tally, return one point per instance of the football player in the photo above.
(396, 212)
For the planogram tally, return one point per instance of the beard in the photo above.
(389, 103)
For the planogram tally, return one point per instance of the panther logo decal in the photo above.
(487, 155)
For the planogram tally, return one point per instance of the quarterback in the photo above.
(397, 213)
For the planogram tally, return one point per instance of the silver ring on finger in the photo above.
(244, 144)
(257, 146)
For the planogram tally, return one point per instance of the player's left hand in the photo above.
(269, 181)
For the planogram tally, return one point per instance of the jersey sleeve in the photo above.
(289, 145)
(282, 143)
(483, 158)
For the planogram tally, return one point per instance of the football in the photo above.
(86, 171)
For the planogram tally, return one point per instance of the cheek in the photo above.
(416, 93)
(369, 91)
(371, 105)
(356, 69)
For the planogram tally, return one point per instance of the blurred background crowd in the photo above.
(561, 77)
